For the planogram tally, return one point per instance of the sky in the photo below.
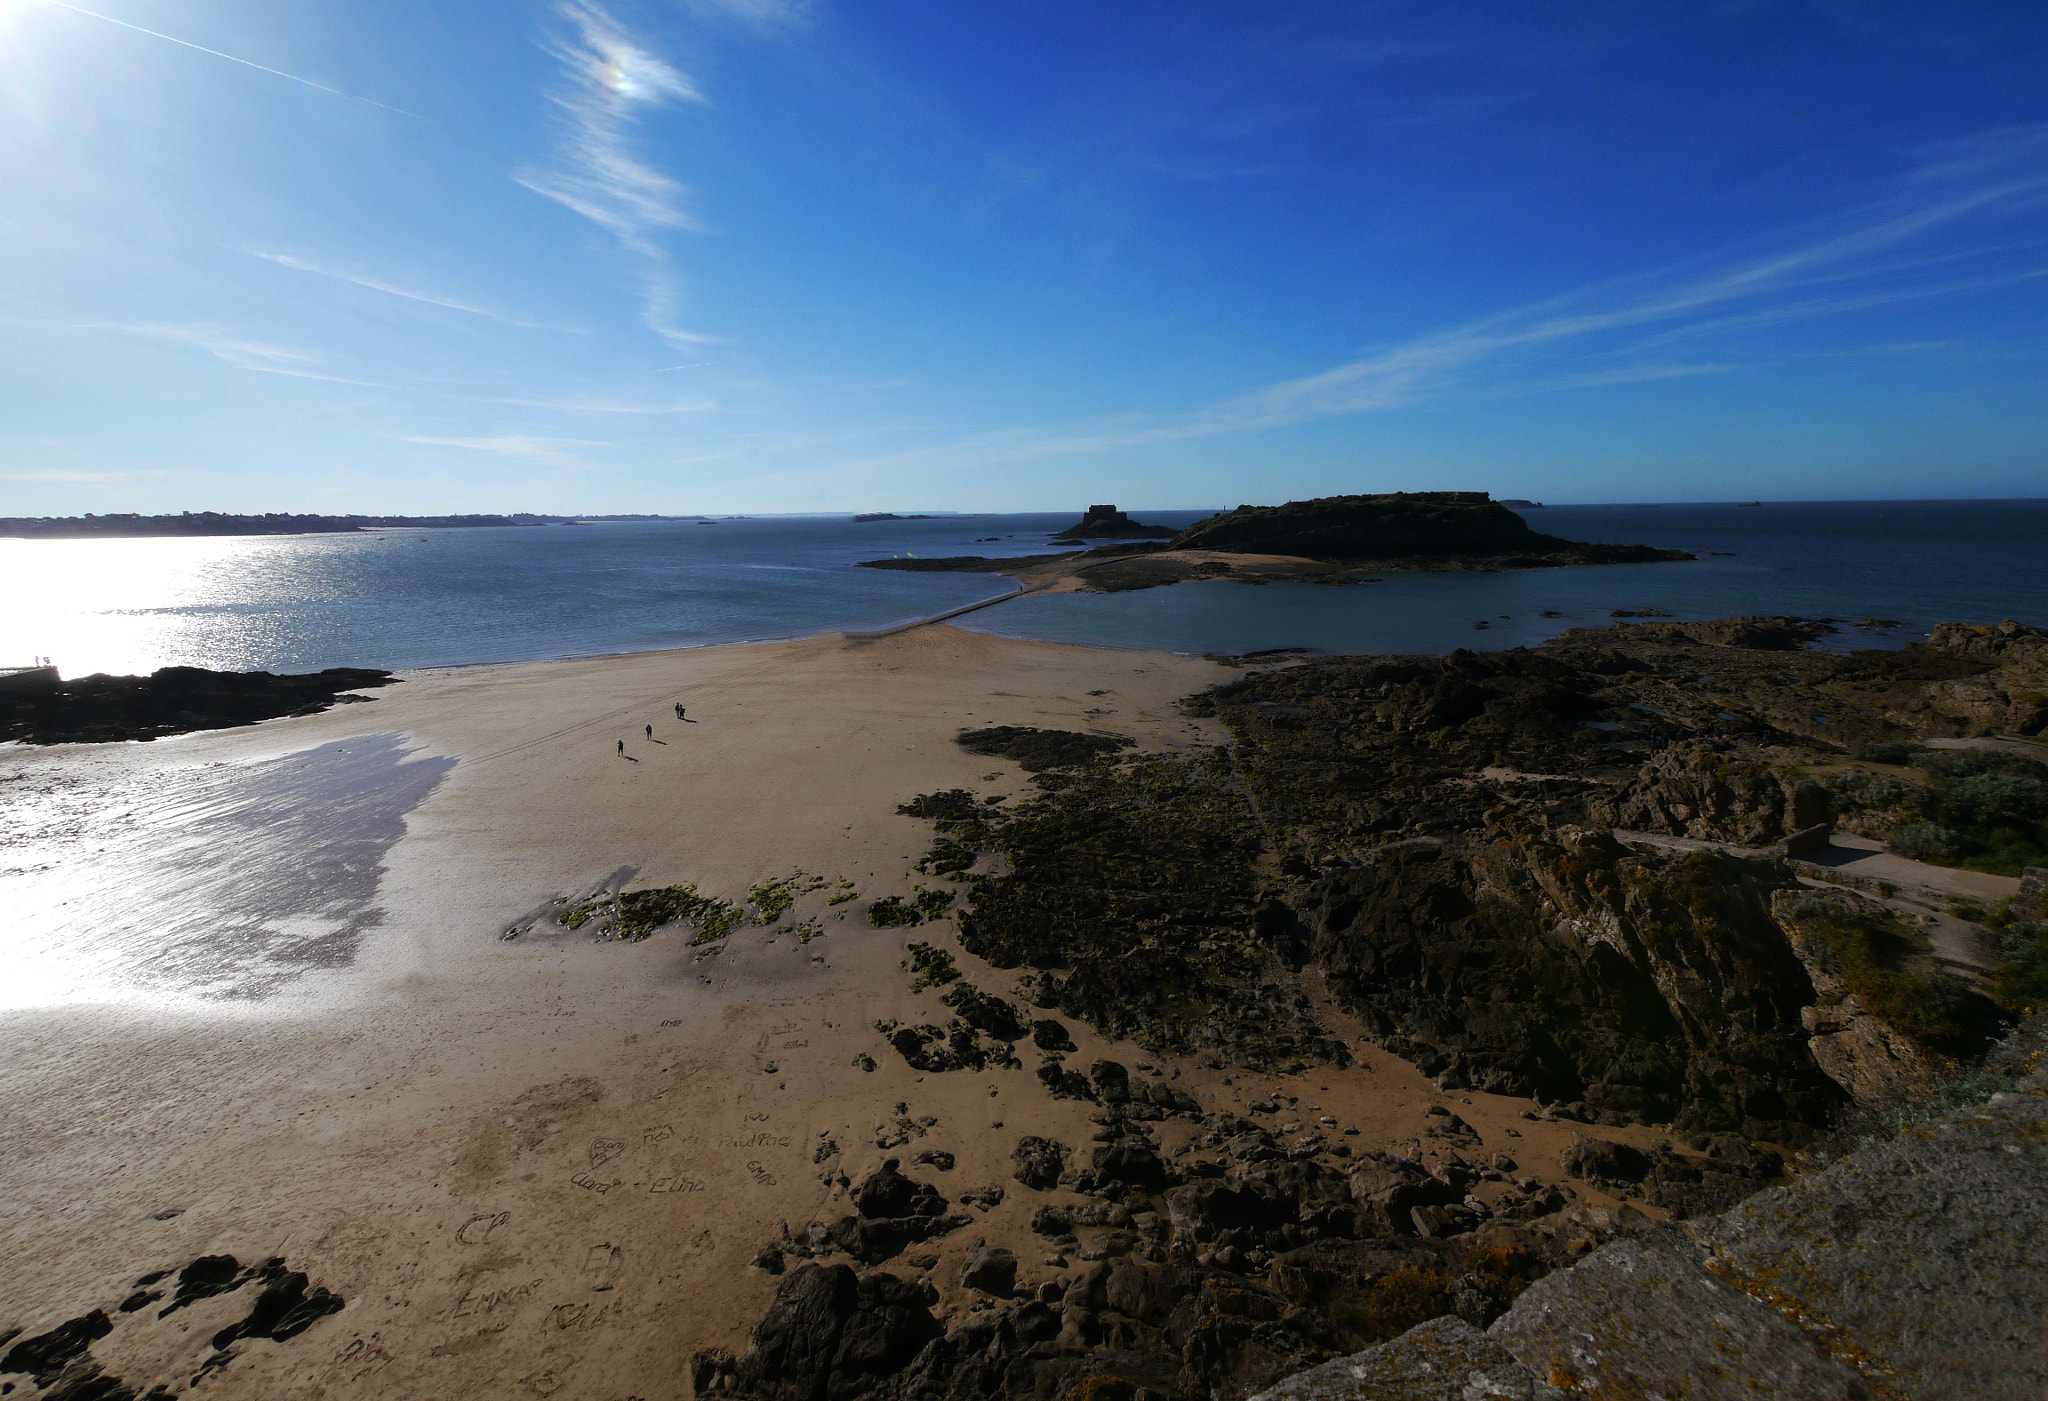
(810, 255)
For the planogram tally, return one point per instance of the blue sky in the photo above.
(788, 255)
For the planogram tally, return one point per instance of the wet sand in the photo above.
(535, 1166)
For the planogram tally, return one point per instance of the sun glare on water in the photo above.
(127, 607)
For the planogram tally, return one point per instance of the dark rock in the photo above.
(46, 1355)
(873, 1240)
(1035, 750)
(286, 1307)
(1694, 790)
(205, 1277)
(985, 1012)
(1112, 1081)
(829, 1333)
(1049, 1035)
(1133, 1163)
(1647, 986)
(1607, 1163)
(1038, 1162)
(990, 1269)
(1064, 1083)
(886, 1192)
(173, 700)
(934, 1157)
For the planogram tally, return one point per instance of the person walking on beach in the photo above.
(650, 732)
(622, 749)
(679, 710)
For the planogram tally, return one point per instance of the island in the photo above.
(1339, 540)
(1108, 523)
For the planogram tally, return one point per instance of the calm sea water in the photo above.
(421, 598)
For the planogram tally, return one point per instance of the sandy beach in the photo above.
(541, 1165)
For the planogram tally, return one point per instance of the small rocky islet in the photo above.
(1328, 540)
(1576, 873)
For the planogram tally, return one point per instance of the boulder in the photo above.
(828, 1333)
(886, 1192)
(1131, 1162)
(1038, 1162)
(1604, 1162)
(990, 1269)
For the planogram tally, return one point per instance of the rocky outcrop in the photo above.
(1465, 525)
(1636, 985)
(892, 1212)
(1909, 1269)
(1701, 791)
(173, 700)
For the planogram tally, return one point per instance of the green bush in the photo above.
(1928, 841)
(1405, 1298)
(1869, 954)
(1996, 800)
(2023, 982)
(1880, 751)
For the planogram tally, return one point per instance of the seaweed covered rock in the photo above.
(1131, 887)
(1646, 986)
(1033, 750)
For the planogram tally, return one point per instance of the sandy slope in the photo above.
(540, 1166)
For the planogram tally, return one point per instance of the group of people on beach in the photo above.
(680, 715)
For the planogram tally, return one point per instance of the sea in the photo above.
(1885, 571)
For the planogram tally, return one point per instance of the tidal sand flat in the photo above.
(475, 1039)
(541, 1161)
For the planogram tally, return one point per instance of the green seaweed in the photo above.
(932, 967)
(633, 915)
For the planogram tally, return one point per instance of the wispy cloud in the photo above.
(607, 83)
(246, 63)
(1863, 264)
(759, 14)
(597, 405)
(233, 348)
(297, 264)
(548, 451)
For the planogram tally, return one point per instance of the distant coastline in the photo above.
(128, 525)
